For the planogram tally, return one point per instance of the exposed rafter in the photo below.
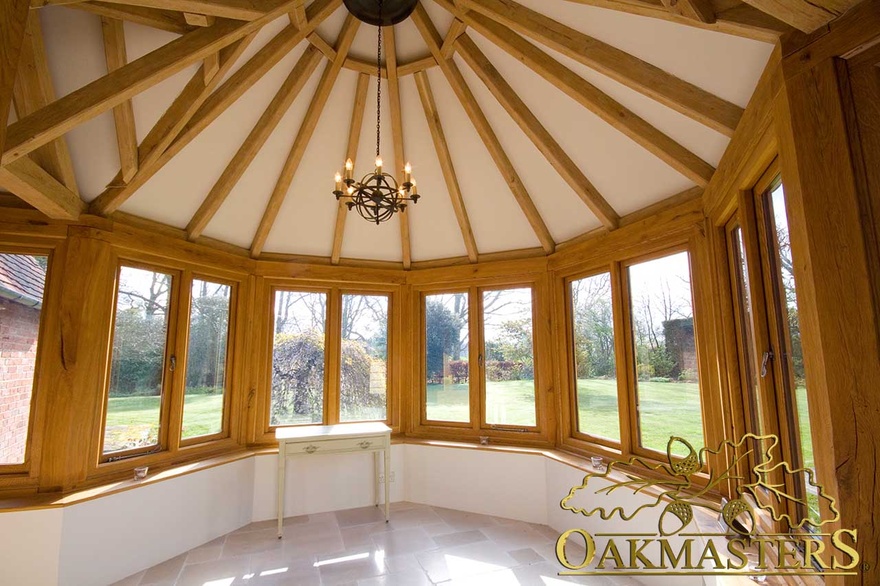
(13, 22)
(484, 129)
(684, 97)
(166, 131)
(354, 136)
(197, 106)
(211, 66)
(103, 94)
(397, 134)
(741, 19)
(539, 135)
(803, 15)
(31, 183)
(319, 100)
(258, 136)
(234, 9)
(456, 29)
(123, 113)
(166, 20)
(590, 97)
(433, 118)
(699, 10)
(34, 90)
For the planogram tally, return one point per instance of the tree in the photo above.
(443, 338)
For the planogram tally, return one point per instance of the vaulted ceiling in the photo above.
(527, 123)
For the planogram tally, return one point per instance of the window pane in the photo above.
(746, 335)
(22, 279)
(364, 376)
(794, 355)
(595, 372)
(508, 357)
(206, 359)
(136, 371)
(446, 359)
(668, 390)
(298, 358)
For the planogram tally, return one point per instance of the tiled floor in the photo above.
(422, 545)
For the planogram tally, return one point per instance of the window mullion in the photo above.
(175, 381)
(332, 364)
(476, 358)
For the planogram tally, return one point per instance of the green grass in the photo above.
(507, 402)
(134, 421)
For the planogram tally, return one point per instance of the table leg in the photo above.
(387, 452)
(376, 482)
(282, 460)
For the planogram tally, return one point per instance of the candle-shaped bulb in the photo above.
(415, 188)
(407, 173)
(338, 179)
(350, 190)
(349, 167)
(379, 164)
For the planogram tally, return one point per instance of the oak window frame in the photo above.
(265, 430)
(27, 472)
(476, 427)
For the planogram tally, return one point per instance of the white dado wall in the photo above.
(106, 539)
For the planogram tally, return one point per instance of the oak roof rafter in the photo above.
(306, 130)
(393, 72)
(482, 126)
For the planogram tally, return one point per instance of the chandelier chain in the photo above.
(379, 83)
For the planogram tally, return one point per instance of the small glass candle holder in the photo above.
(141, 472)
(484, 440)
(596, 461)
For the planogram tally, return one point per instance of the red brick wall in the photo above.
(19, 326)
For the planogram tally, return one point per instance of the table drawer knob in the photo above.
(310, 449)
(365, 445)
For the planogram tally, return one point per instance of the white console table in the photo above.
(333, 439)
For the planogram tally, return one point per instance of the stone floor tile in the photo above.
(464, 561)
(223, 569)
(460, 538)
(251, 542)
(403, 541)
(526, 556)
(164, 573)
(360, 516)
(132, 580)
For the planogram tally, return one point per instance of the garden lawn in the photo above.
(133, 421)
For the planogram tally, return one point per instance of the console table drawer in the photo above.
(357, 444)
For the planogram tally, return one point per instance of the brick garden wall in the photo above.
(19, 326)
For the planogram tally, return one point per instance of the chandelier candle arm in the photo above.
(378, 196)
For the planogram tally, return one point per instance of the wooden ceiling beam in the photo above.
(740, 20)
(123, 113)
(699, 10)
(590, 97)
(34, 90)
(103, 94)
(456, 29)
(411, 67)
(246, 10)
(803, 15)
(354, 136)
(34, 185)
(483, 128)
(258, 136)
(198, 19)
(167, 130)
(683, 97)
(166, 20)
(13, 23)
(433, 118)
(536, 132)
(199, 105)
(397, 135)
(211, 66)
(319, 43)
(298, 16)
(306, 129)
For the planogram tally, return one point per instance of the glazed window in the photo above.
(595, 365)
(663, 349)
(447, 338)
(298, 357)
(138, 360)
(363, 384)
(508, 358)
(206, 359)
(22, 287)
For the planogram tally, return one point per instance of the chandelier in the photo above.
(378, 195)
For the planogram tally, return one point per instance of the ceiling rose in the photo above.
(384, 13)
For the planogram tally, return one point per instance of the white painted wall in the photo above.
(29, 545)
(106, 539)
(478, 481)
